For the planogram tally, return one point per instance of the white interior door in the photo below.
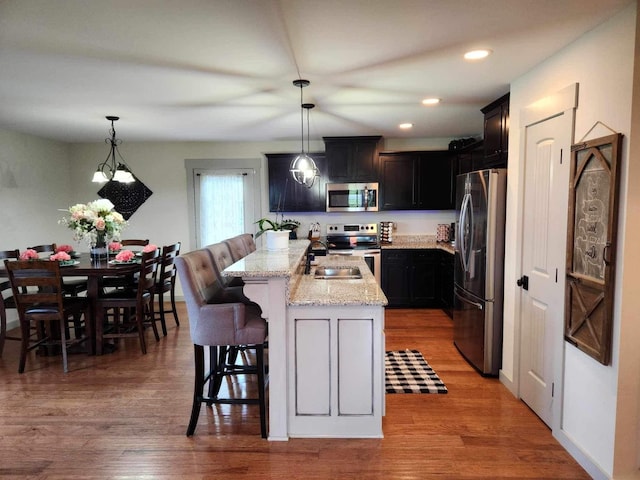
(546, 166)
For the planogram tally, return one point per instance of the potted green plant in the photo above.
(277, 232)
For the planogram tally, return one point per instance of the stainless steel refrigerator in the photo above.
(479, 268)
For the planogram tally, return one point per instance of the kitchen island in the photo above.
(326, 344)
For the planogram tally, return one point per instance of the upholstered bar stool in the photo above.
(230, 290)
(219, 326)
(239, 246)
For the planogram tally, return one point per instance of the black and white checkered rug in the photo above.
(408, 372)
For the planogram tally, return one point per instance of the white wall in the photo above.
(601, 62)
(35, 180)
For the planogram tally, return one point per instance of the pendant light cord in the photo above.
(302, 119)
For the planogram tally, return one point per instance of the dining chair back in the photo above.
(6, 299)
(124, 282)
(37, 290)
(133, 242)
(166, 283)
(47, 249)
(132, 307)
(72, 287)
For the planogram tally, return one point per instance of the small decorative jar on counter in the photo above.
(443, 232)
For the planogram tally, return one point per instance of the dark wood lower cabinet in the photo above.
(417, 278)
(446, 282)
(396, 277)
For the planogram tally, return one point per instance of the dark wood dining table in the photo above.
(94, 271)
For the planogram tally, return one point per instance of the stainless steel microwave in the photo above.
(352, 197)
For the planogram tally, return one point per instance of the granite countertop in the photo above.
(305, 290)
(264, 263)
(418, 241)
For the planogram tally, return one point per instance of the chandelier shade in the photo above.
(303, 168)
(110, 169)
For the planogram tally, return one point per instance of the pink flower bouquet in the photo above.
(60, 257)
(115, 246)
(125, 256)
(65, 248)
(149, 248)
(29, 254)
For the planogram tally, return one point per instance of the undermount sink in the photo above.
(343, 273)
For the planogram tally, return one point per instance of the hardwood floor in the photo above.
(125, 415)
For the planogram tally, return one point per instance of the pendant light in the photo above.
(109, 169)
(303, 168)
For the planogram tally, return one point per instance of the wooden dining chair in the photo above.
(132, 307)
(132, 242)
(38, 293)
(166, 283)
(124, 282)
(72, 287)
(6, 299)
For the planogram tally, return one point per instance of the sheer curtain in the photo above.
(222, 206)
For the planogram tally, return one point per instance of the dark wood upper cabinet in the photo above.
(417, 180)
(496, 133)
(398, 188)
(285, 195)
(469, 158)
(436, 180)
(352, 159)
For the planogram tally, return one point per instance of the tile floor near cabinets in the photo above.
(125, 415)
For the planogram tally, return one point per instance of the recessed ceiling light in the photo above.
(477, 54)
(405, 126)
(430, 101)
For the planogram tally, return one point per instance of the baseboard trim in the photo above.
(580, 456)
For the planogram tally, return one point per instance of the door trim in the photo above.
(563, 102)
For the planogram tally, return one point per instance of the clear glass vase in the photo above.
(98, 246)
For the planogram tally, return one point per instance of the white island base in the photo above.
(336, 371)
(326, 345)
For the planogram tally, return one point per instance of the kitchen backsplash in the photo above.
(405, 222)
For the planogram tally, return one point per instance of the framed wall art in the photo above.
(591, 245)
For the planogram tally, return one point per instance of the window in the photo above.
(223, 201)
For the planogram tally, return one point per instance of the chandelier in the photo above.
(303, 168)
(109, 169)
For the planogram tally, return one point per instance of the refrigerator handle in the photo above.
(472, 234)
(462, 238)
(466, 300)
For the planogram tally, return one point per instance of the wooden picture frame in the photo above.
(591, 245)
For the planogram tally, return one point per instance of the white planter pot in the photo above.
(277, 240)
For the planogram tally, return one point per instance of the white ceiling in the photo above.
(206, 70)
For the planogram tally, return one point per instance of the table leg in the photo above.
(93, 287)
